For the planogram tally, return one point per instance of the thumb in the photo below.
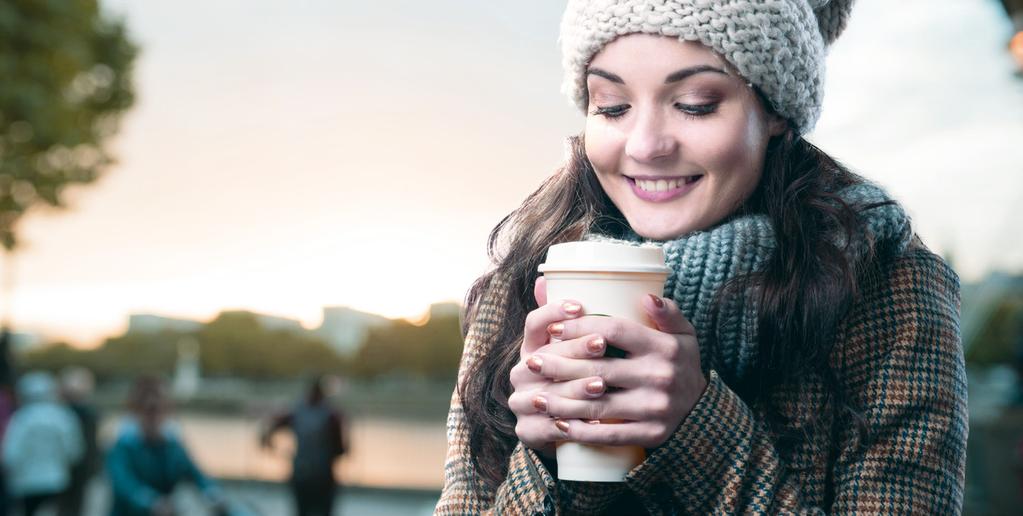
(666, 316)
(540, 291)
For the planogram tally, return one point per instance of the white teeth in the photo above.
(661, 185)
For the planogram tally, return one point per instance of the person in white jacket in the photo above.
(42, 442)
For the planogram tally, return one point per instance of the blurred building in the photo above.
(149, 323)
(345, 329)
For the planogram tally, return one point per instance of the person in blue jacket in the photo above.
(148, 458)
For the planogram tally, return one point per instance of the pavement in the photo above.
(261, 498)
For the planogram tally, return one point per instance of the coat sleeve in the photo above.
(900, 363)
(525, 488)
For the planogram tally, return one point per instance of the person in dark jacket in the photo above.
(148, 459)
(320, 439)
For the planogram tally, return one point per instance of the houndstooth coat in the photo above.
(897, 360)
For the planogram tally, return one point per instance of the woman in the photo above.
(806, 354)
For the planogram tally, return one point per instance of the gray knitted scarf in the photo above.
(701, 263)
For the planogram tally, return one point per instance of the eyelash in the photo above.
(691, 111)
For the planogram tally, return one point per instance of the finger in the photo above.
(540, 291)
(537, 323)
(645, 434)
(589, 346)
(538, 431)
(580, 389)
(525, 403)
(666, 316)
(537, 401)
(626, 405)
(629, 336)
(616, 372)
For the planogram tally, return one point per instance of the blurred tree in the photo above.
(430, 350)
(237, 344)
(997, 341)
(66, 69)
(127, 355)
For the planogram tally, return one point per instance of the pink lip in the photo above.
(664, 196)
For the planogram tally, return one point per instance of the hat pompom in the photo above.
(832, 16)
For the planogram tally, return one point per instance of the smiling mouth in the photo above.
(655, 189)
(663, 185)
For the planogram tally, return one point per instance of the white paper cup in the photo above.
(611, 280)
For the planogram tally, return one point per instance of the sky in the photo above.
(285, 156)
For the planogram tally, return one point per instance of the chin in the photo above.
(658, 232)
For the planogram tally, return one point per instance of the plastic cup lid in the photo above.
(603, 257)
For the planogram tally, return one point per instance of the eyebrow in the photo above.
(672, 77)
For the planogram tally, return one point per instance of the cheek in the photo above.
(728, 148)
(603, 147)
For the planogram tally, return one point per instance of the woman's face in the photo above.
(676, 140)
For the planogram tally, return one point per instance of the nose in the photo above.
(649, 139)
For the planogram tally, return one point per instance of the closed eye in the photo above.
(696, 110)
(611, 111)
(690, 110)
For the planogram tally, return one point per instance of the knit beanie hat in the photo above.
(777, 45)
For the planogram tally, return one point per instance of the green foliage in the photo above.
(431, 350)
(67, 78)
(236, 344)
(126, 355)
(998, 340)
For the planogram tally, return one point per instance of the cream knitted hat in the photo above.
(778, 45)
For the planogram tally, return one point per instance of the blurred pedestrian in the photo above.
(6, 411)
(320, 439)
(76, 388)
(41, 443)
(6, 403)
(148, 458)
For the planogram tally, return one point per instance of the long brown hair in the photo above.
(805, 287)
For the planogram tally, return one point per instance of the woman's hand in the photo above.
(529, 401)
(657, 384)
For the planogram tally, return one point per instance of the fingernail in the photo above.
(562, 425)
(595, 387)
(657, 301)
(556, 329)
(596, 346)
(571, 308)
(534, 363)
(540, 404)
